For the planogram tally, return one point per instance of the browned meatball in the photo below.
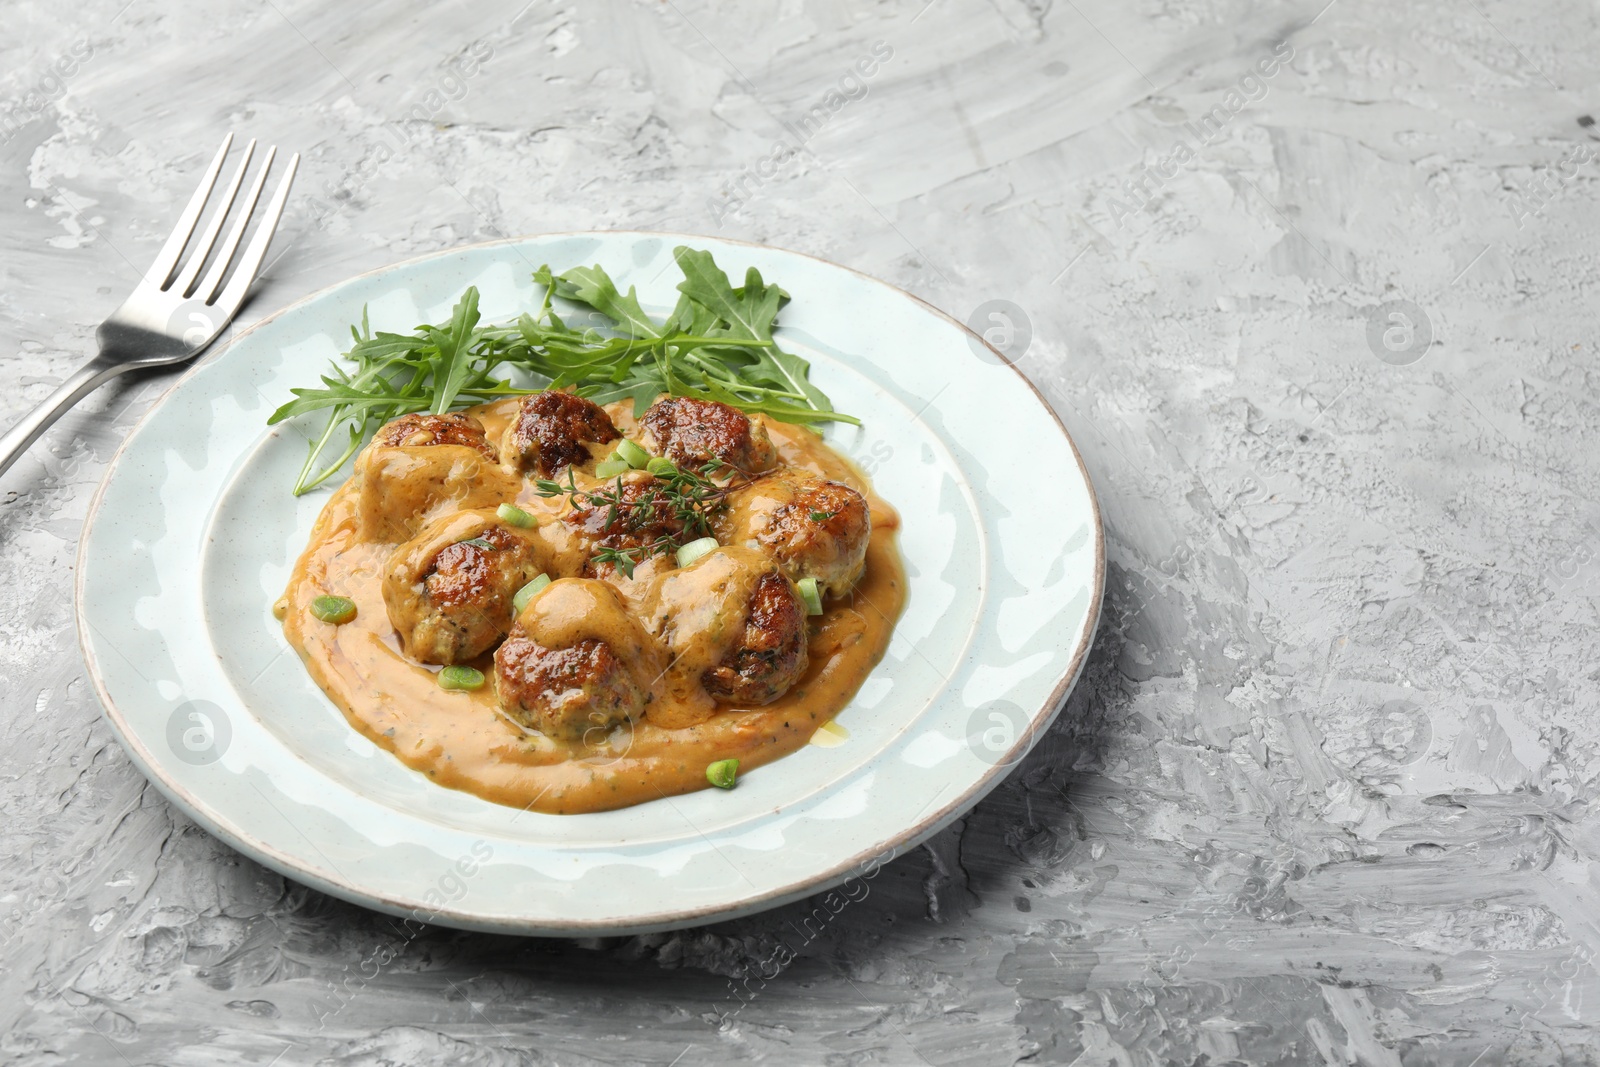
(552, 430)
(694, 432)
(420, 429)
(449, 590)
(812, 528)
(644, 521)
(421, 466)
(770, 653)
(572, 694)
(576, 663)
(734, 626)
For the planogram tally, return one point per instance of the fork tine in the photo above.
(167, 258)
(256, 250)
(219, 266)
(208, 237)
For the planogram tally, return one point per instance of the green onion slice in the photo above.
(695, 549)
(529, 591)
(478, 542)
(632, 454)
(811, 595)
(611, 466)
(723, 773)
(335, 609)
(661, 467)
(515, 516)
(461, 678)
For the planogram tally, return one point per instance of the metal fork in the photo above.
(173, 313)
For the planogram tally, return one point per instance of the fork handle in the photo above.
(79, 384)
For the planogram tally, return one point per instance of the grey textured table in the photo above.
(1313, 289)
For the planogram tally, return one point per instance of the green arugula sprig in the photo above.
(717, 344)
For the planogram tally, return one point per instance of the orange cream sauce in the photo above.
(463, 741)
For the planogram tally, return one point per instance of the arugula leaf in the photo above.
(691, 318)
(453, 360)
(593, 286)
(706, 285)
(717, 344)
(748, 312)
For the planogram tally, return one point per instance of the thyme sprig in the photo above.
(681, 500)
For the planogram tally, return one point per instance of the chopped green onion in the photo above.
(478, 542)
(335, 609)
(515, 516)
(460, 678)
(632, 454)
(695, 549)
(723, 773)
(661, 467)
(529, 591)
(611, 466)
(810, 594)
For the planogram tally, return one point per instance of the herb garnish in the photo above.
(662, 514)
(715, 345)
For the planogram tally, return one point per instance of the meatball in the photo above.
(419, 429)
(449, 590)
(573, 694)
(693, 433)
(812, 528)
(642, 520)
(769, 654)
(420, 466)
(735, 627)
(552, 430)
(576, 664)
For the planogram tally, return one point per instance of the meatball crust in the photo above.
(572, 694)
(693, 433)
(643, 520)
(770, 654)
(419, 429)
(449, 590)
(812, 527)
(577, 663)
(552, 430)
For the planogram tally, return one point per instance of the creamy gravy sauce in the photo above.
(463, 741)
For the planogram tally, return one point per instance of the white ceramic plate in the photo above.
(192, 535)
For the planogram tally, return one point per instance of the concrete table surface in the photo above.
(1312, 284)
